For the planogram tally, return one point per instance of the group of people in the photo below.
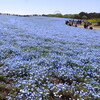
(86, 24)
(73, 23)
(78, 22)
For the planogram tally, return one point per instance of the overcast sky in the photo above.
(49, 6)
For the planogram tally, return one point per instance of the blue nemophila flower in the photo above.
(47, 59)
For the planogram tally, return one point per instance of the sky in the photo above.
(49, 6)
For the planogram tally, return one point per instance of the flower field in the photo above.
(47, 60)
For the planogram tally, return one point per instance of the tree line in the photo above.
(81, 15)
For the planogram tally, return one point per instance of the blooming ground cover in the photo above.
(46, 60)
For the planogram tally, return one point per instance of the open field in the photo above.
(43, 59)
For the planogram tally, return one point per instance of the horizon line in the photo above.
(8, 13)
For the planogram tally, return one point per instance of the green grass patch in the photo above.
(93, 20)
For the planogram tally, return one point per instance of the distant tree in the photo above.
(82, 14)
(66, 15)
(44, 15)
(76, 16)
(84, 17)
(98, 16)
(92, 15)
(58, 15)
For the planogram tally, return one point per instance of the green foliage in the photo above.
(93, 20)
(76, 16)
(81, 15)
(84, 17)
(54, 15)
(59, 15)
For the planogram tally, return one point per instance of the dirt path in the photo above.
(94, 28)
